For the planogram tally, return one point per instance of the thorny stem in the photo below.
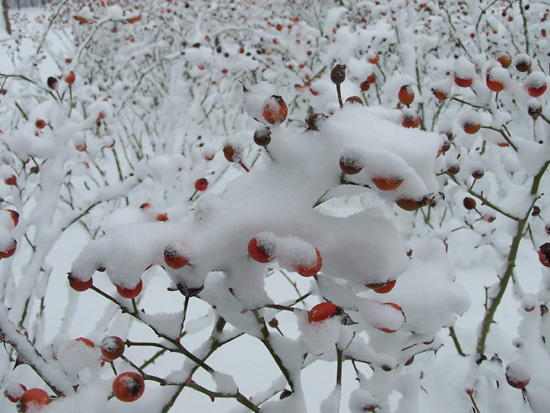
(493, 303)
(485, 201)
(175, 342)
(266, 341)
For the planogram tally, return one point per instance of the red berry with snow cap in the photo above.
(130, 292)
(385, 288)
(33, 399)
(535, 84)
(544, 254)
(79, 285)
(173, 259)
(321, 312)
(14, 391)
(261, 249)
(112, 347)
(12, 180)
(312, 268)
(274, 110)
(522, 62)
(391, 329)
(406, 95)
(128, 387)
(517, 374)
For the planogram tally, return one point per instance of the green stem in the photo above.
(493, 304)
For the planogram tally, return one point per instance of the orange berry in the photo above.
(128, 387)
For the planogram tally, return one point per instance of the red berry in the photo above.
(412, 204)
(517, 375)
(232, 153)
(12, 180)
(86, 341)
(321, 312)
(493, 85)
(355, 100)
(471, 128)
(522, 63)
(130, 292)
(469, 203)
(371, 78)
(410, 118)
(112, 348)
(261, 250)
(535, 85)
(201, 184)
(505, 59)
(173, 259)
(314, 121)
(386, 288)
(544, 254)
(439, 94)
(9, 251)
(387, 184)
(364, 86)
(128, 387)
(311, 269)
(406, 95)
(338, 74)
(14, 216)
(262, 136)
(350, 164)
(463, 82)
(33, 399)
(81, 147)
(274, 110)
(70, 78)
(79, 285)
(14, 391)
(387, 329)
(40, 124)
(373, 58)
(162, 218)
(52, 83)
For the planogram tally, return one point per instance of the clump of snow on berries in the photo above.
(320, 337)
(464, 69)
(292, 252)
(75, 355)
(381, 315)
(361, 401)
(254, 98)
(429, 269)
(141, 245)
(469, 117)
(529, 302)
(14, 390)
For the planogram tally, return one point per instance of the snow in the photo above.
(155, 101)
